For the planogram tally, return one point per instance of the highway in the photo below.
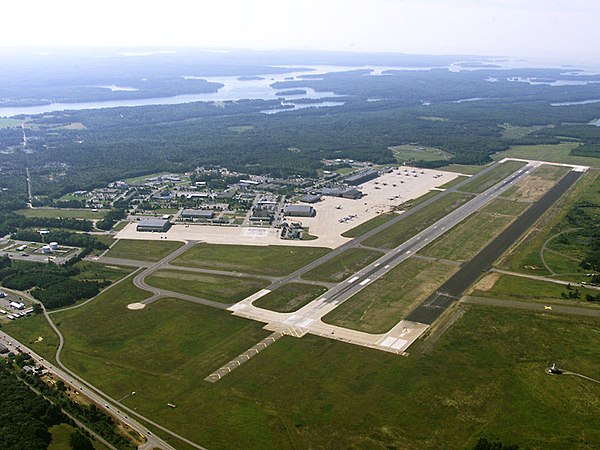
(152, 441)
(308, 318)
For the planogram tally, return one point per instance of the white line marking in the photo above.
(399, 344)
(388, 341)
(363, 282)
(386, 267)
(353, 279)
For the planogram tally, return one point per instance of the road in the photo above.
(102, 401)
(397, 340)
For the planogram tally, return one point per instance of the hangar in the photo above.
(154, 225)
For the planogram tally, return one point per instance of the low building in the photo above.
(362, 177)
(197, 214)
(310, 198)
(353, 194)
(154, 225)
(333, 192)
(299, 211)
(262, 215)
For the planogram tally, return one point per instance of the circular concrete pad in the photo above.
(136, 306)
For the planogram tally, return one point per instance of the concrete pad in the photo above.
(380, 196)
(136, 306)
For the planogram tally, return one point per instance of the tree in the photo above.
(79, 441)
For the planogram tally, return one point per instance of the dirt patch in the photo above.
(487, 282)
(531, 189)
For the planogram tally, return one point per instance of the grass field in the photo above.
(142, 250)
(559, 153)
(526, 255)
(407, 153)
(28, 330)
(60, 438)
(516, 132)
(393, 236)
(290, 297)
(511, 287)
(368, 225)
(92, 271)
(341, 267)
(465, 240)
(467, 169)
(9, 123)
(382, 304)
(454, 182)
(494, 176)
(218, 288)
(483, 377)
(276, 260)
(66, 213)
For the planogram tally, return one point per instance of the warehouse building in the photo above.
(197, 214)
(362, 177)
(310, 198)
(342, 192)
(154, 225)
(299, 211)
(353, 194)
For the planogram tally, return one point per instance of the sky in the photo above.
(553, 29)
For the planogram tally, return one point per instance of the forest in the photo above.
(399, 107)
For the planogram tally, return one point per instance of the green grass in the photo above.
(465, 240)
(92, 271)
(344, 265)
(66, 213)
(494, 176)
(408, 152)
(163, 352)
(290, 297)
(525, 256)
(60, 438)
(511, 287)
(516, 132)
(369, 225)
(383, 303)
(319, 393)
(484, 377)
(276, 260)
(409, 226)
(9, 123)
(27, 330)
(559, 153)
(454, 182)
(218, 288)
(142, 250)
(467, 169)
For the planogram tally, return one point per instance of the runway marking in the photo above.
(239, 360)
(386, 267)
(387, 342)
(353, 279)
(363, 282)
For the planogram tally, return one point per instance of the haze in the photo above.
(558, 30)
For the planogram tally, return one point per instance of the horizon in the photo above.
(557, 30)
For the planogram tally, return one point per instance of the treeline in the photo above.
(111, 218)
(49, 414)
(55, 286)
(24, 416)
(81, 240)
(10, 222)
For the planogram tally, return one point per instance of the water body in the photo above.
(472, 99)
(259, 88)
(596, 122)
(533, 82)
(115, 88)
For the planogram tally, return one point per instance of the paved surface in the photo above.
(241, 359)
(532, 306)
(428, 311)
(308, 318)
